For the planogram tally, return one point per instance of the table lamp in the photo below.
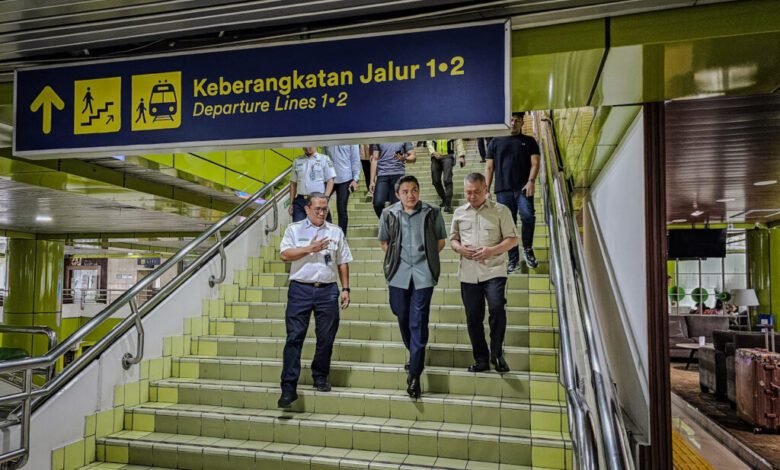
(744, 298)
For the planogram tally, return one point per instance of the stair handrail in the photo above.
(579, 414)
(31, 399)
(612, 446)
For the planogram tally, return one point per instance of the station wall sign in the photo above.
(426, 82)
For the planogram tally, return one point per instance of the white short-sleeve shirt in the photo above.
(323, 265)
(312, 173)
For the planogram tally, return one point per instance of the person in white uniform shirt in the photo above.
(312, 173)
(320, 255)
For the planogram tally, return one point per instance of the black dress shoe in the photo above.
(414, 387)
(500, 364)
(322, 386)
(406, 367)
(477, 367)
(287, 399)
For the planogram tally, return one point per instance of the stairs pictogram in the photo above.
(97, 115)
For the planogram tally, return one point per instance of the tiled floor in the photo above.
(217, 409)
(704, 443)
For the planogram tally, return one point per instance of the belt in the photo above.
(316, 284)
(302, 196)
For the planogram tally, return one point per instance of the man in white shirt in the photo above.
(312, 173)
(319, 255)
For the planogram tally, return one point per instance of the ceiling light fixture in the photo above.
(730, 199)
(697, 213)
(765, 183)
(43, 218)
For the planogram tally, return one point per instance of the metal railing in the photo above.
(84, 297)
(31, 399)
(597, 430)
(50, 334)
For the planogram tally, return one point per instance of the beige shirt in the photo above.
(487, 226)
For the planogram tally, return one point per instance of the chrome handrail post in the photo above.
(276, 214)
(128, 359)
(222, 263)
(25, 430)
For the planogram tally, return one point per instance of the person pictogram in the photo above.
(88, 99)
(141, 111)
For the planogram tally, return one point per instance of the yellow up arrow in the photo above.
(47, 98)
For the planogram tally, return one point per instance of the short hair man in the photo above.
(346, 162)
(515, 159)
(312, 173)
(443, 154)
(388, 165)
(482, 231)
(319, 255)
(412, 234)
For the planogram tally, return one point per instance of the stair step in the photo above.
(446, 333)
(514, 297)
(372, 375)
(531, 316)
(177, 451)
(377, 279)
(543, 415)
(340, 431)
(537, 359)
(375, 253)
(358, 266)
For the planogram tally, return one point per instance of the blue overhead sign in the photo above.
(446, 80)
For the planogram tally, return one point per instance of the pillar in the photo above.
(34, 297)
(758, 252)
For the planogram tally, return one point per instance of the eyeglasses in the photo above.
(320, 210)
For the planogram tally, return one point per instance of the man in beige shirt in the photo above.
(482, 232)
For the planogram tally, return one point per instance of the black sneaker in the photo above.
(322, 385)
(530, 259)
(477, 367)
(287, 399)
(512, 267)
(448, 209)
(500, 364)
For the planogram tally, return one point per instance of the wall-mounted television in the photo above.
(696, 243)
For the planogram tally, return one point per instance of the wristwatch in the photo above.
(345, 289)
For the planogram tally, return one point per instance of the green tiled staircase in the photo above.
(217, 409)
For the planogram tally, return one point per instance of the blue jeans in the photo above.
(384, 191)
(474, 296)
(301, 300)
(412, 307)
(517, 202)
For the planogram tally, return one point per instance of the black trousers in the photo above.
(384, 191)
(302, 299)
(474, 296)
(341, 190)
(441, 174)
(366, 164)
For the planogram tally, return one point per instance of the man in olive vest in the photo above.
(412, 234)
(443, 154)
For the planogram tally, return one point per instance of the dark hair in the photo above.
(315, 196)
(472, 178)
(406, 179)
(520, 114)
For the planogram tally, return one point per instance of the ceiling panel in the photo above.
(22, 204)
(717, 149)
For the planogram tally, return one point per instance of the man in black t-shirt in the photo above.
(515, 160)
